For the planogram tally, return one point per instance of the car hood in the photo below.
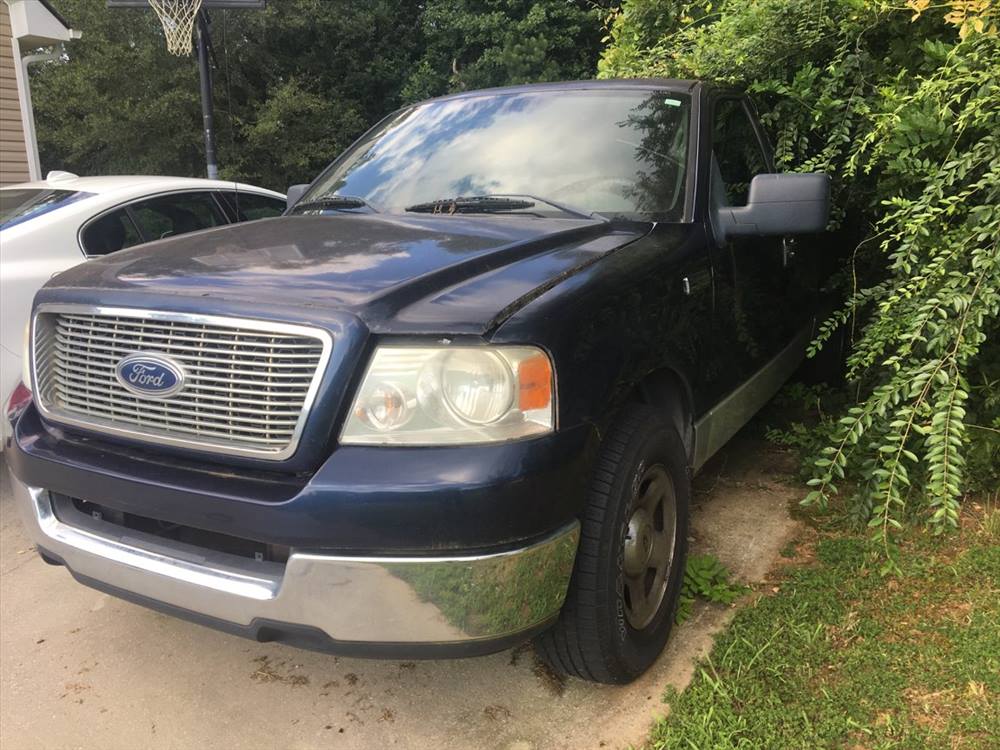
(435, 274)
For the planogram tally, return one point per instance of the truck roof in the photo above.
(669, 84)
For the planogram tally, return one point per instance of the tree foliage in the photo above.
(902, 107)
(470, 44)
(295, 84)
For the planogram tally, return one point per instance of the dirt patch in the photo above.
(936, 709)
(517, 652)
(497, 713)
(551, 680)
(267, 672)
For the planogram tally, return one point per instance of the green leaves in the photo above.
(470, 44)
(906, 117)
(937, 308)
(706, 578)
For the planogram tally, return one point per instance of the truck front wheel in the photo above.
(629, 567)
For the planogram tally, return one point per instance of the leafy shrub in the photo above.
(801, 417)
(706, 578)
(902, 108)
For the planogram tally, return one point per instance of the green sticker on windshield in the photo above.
(672, 102)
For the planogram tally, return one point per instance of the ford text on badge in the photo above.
(150, 375)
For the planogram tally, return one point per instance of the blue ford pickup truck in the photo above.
(451, 400)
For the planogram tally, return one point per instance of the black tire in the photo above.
(596, 637)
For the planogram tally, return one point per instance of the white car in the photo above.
(54, 224)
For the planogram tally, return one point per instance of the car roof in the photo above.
(127, 185)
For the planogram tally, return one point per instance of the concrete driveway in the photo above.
(80, 669)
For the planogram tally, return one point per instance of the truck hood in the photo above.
(433, 274)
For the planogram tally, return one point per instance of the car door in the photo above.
(36, 243)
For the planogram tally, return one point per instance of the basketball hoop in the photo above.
(177, 17)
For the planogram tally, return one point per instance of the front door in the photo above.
(762, 311)
(760, 299)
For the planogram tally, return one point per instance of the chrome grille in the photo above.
(247, 390)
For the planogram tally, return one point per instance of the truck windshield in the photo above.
(612, 152)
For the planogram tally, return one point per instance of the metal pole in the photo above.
(206, 96)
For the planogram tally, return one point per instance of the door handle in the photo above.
(696, 281)
(787, 251)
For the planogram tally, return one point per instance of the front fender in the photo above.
(622, 318)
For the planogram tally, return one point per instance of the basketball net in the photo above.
(177, 17)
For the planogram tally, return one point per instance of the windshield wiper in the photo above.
(496, 203)
(333, 202)
(473, 204)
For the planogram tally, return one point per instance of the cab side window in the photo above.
(737, 155)
(172, 215)
(110, 233)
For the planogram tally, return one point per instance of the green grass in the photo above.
(842, 657)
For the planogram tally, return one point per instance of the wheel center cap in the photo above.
(638, 542)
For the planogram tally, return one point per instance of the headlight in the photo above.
(26, 357)
(447, 395)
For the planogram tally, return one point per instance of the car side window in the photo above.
(172, 215)
(112, 232)
(737, 155)
(251, 206)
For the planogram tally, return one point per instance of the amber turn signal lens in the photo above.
(535, 378)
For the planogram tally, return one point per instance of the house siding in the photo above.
(13, 150)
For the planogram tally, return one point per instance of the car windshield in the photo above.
(20, 204)
(612, 152)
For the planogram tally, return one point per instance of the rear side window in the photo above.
(251, 206)
(172, 215)
(20, 205)
(110, 233)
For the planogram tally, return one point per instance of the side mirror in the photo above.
(779, 204)
(293, 194)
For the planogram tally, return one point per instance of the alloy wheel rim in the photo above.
(649, 547)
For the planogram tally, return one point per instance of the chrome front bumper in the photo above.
(460, 600)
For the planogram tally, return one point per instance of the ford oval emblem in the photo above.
(150, 375)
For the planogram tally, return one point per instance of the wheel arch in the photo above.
(667, 391)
